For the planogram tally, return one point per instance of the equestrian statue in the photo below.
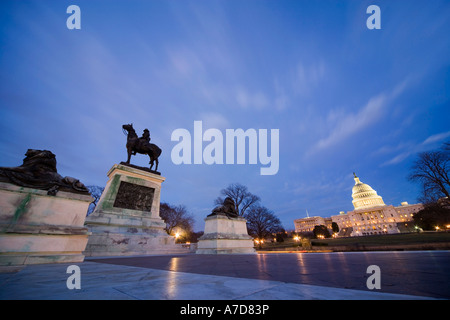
(141, 145)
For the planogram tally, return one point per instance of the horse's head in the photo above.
(128, 130)
(128, 127)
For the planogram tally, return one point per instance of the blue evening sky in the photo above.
(344, 98)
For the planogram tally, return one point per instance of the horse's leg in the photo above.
(157, 162)
(129, 155)
(151, 162)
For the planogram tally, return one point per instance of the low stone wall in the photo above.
(403, 247)
(39, 228)
(358, 247)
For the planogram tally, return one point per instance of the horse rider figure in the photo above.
(144, 140)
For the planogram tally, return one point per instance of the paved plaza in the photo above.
(270, 276)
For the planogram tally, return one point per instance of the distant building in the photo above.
(308, 224)
(371, 215)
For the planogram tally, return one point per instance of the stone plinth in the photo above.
(39, 228)
(224, 235)
(126, 220)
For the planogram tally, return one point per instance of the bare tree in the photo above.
(176, 217)
(431, 170)
(96, 193)
(261, 222)
(240, 195)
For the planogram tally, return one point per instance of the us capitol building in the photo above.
(371, 215)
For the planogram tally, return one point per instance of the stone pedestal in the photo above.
(126, 220)
(224, 235)
(39, 228)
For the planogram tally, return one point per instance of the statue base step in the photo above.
(114, 235)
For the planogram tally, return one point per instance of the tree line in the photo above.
(261, 222)
(431, 170)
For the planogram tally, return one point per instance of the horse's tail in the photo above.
(158, 151)
(155, 150)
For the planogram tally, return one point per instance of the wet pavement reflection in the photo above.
(425, 273)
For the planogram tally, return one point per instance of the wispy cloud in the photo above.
(185, 62)
(214, 120)
(397, 159)
(351, 123)
(307, 77)
(246, 99)
(426, 144)
(386, 149)
(281, 97)
(436, 138)
(343, 125)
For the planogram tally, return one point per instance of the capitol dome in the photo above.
(364, 196)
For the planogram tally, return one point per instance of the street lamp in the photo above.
(259, 242)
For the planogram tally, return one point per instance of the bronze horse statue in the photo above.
(136, 145)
